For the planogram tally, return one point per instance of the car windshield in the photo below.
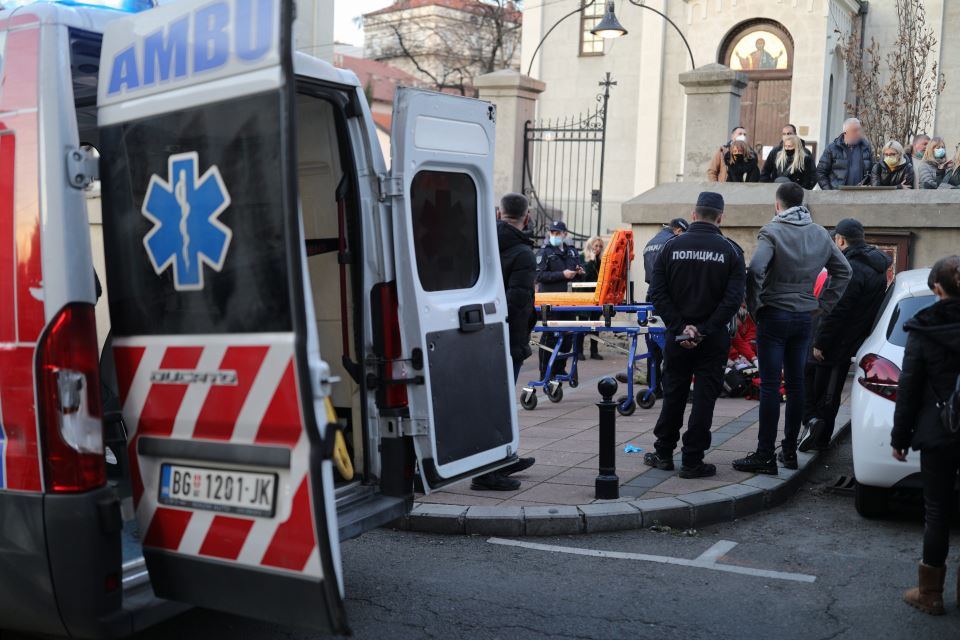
(906, 309)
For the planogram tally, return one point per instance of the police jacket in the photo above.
(518, 268)
(652, 250)
(699, 278)
(551, 263)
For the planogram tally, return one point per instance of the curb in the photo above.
(699, 509)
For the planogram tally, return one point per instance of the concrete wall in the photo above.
(933, 217)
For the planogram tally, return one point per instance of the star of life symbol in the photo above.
(185, 211)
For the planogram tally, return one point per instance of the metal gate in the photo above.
(563, 169)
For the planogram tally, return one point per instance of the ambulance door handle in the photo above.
(471, 318)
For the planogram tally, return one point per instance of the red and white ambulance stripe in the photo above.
(263, 407)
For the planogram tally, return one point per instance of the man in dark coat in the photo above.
(841, 332)
(847, 160)
(519, 269)
(558, 264)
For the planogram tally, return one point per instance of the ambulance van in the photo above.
(273, 290)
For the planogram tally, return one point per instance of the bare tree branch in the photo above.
(896, 93)
(449, 48)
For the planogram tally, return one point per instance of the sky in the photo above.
(345, 11)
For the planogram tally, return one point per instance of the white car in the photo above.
(875, 393)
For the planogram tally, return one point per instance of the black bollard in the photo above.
(607, 485)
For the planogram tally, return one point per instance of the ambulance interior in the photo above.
(330, 218)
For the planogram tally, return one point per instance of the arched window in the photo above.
(763, 49)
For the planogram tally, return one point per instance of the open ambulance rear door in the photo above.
(215, 348)
(452, 305)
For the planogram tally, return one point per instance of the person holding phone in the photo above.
(698, 285)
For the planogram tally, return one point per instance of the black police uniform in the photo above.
(652, 250)
(650, 253)
(551, 263)
(699, 279)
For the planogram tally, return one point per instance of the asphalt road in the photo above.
(403, 585)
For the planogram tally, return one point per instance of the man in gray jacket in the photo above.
(791, 252)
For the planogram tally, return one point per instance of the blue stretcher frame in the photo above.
(652, 334)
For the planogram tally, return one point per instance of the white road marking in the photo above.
(706, 560)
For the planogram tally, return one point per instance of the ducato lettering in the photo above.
(169, 54)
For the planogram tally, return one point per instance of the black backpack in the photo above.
(950, 410)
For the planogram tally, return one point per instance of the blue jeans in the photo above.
(783, 338)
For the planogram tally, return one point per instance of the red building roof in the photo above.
(378, 79)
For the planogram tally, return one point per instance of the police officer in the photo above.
(557, 265)
(698, 285)
(650, 252)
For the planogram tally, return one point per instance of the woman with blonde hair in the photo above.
(792, 163)
(935, 165)
(894, 170)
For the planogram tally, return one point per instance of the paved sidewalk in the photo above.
(557, 494)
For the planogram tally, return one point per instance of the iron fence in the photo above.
(563, 162)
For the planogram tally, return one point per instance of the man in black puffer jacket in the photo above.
(519, 270)
(841, 332)
(847, 161)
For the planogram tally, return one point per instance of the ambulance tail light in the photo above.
(387, 307)
(68, 380)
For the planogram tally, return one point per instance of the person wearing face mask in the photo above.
(935, 166)
(790, 162)
(558, 264)
(741, 163)
(717, 170)
(894, 170)
(847, 160)
(928, 377)
(952, 178)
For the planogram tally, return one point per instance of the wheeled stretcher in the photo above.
(646, 327)
(606, 300)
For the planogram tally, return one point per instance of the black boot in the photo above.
(494, 481)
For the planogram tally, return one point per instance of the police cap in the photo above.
(710, 200)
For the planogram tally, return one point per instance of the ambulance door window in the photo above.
(445, 230)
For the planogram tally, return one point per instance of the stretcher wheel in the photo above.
(626, 406)
(528, 399)
(556, 395)
(574, 381)
(646, 399)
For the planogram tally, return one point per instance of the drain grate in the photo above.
(843, 485)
